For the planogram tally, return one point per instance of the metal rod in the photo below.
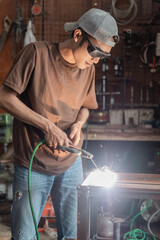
(95, 164)
(117, 230)
(108, 93)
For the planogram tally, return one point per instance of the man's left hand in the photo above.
(75, 132)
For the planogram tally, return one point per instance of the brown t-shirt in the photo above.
(55, 89)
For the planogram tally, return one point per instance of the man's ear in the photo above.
(77, 35)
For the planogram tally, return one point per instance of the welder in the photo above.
(48, 90)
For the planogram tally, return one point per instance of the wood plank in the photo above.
(150, 187)
(120, 133)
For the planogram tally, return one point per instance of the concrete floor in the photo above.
(5, 233)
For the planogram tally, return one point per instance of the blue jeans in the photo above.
(63, 189)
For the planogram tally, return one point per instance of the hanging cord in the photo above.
(121, 14)
(29, 187)
(150, 220)
(144, 51)
(144, 56)
(138, 234)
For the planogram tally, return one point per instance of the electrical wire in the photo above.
(29, 187)
(138, 234)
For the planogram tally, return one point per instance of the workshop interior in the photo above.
(120, 195)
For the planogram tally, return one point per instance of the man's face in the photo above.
(81, 53)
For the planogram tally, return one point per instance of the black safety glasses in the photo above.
(95, 52)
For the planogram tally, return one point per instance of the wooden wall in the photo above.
(138, 86)
(136, 77)
(6, 9)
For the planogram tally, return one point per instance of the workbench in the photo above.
(128, 185)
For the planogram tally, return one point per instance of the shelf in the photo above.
(120, 133)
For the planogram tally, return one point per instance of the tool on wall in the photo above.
(154, 17)
(104, 90)
(19, 24)
(36, 8)
(5, 130)
(150, 54)
(138, 39)
(131, 94)
(118, 67)
(6, 28)
(105, 66)
(150, 51)
(127, 37)
(141, 95)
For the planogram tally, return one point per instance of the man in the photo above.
(49, 90)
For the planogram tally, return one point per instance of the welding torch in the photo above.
(78, 151)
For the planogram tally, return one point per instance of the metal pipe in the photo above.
(117, 230)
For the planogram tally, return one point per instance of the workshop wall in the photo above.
(6, 9)
(132, 72)
(129, 80)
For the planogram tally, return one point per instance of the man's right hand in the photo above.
(55, 136)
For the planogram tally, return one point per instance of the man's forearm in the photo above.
(82, 115)
(76, 127)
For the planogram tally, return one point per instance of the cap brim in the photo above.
(70, 26)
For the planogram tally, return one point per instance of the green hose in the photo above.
(29, 187)
(138, 234)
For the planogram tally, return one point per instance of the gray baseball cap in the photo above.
(97, 23)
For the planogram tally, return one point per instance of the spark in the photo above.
(104, 178)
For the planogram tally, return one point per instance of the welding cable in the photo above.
(29, 187)
(138, 234)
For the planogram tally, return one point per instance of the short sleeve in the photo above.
(22, 69)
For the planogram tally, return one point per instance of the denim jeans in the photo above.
(63, 189)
